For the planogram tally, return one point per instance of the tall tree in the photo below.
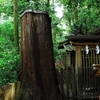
(16, 36)
(84, 12)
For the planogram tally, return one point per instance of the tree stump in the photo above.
(37, 76)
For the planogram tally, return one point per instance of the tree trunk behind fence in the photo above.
(37, 68)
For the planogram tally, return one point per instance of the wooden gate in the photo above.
(91, 86)
(76, 80)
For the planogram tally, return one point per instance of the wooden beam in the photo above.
(84, 43)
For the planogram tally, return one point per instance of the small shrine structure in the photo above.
(82, 52)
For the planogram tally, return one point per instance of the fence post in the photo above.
(38, 81)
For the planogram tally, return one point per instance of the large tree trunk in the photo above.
(37, 69)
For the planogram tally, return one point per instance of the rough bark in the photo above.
(37, 68)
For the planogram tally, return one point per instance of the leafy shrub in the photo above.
(9, 58)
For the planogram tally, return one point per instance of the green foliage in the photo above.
(6, 7)
(57, 34)
(90, 18)
(6, 28)
(9, 58)
(85, 12)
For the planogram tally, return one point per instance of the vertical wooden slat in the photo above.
(73, 83)
(83, 71)
(86, 73)
(99, 78)
(79, 73)
(89, 73)
(73, 74)
(62, 81)
(95, 92)
(92, 71)
(89, 57)
(96, 88)
(67, 76)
